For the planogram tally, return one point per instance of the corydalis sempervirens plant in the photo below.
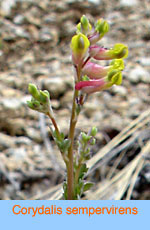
(89, 78)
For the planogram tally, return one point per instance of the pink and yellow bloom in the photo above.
(95, 71)
(114, 77)
(117, 52)
(94, 76)
(79, 46)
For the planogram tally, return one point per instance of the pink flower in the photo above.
(100, 53)
(95, 71)
(91, 86)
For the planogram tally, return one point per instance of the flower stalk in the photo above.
(90, 77)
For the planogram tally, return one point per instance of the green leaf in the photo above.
(83, 171)
(58, 137)
(85, 78)
(87, 186)
(65, 145)
(62, 135)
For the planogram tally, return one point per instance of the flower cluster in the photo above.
(93, 77)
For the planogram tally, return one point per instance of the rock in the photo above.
(115, 122)
(145, 61)
(134, 76)
(16, 126)
(23, 141)
(20, 32)
(50, 19)
(1, 53)
(147, 176)
(56, 85)
(139, 74)
(55, 104)
(45, 35)
(90, 108)
(19, 19)
(7, 5)
(145, 77)
(17, 153)
(12, 32)
(134, 101)
(5, 141)
(128, 2)
(34, 134)
(96, 2)
(11, 103)
(120, 90)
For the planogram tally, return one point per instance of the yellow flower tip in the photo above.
(79, 44)
(120, 51)
(117, 64)
(115, 77)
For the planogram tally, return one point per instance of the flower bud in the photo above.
(84, 26)
(33, 104)
(44, 96)
(93, 131)
(85, 137)
(40, 100)
(93, 141)
(79, 46)
(101, 28)
(33, 91)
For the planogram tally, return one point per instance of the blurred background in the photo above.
(35, 47)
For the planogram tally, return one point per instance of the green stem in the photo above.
(54, 123)
(70, 169)
(73, 121)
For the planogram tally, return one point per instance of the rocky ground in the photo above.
(34, 47)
